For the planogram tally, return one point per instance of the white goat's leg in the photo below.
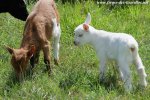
(56, 47)
(140, 70)
(102, 68)
(121, 74)
(124, 68)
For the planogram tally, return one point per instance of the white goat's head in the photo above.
(82, 32)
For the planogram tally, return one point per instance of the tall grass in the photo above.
(77, 75)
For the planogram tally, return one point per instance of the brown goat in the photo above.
(42, 24)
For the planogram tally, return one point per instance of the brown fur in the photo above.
(37, 32)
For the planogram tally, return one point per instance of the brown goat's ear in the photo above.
(31, 51)
(10, 50)
(85, 27)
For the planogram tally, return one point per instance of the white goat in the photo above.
(120, 47)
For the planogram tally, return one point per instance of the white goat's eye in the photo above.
(80, 35)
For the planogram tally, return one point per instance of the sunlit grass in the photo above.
(77, 75)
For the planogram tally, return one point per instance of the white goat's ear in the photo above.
(86, 27)
(88, 19)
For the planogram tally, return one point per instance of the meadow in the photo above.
(76, 77)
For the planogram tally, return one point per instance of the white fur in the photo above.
(56, 36)
(114, 46)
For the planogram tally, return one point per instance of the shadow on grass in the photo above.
(68, 82)
(12, 81)
(110, 82)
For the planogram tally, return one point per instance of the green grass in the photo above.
(77, 75)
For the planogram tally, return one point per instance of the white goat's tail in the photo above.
(139, 65)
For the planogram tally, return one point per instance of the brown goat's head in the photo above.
(20, 58)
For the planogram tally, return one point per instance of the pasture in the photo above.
(76, 77)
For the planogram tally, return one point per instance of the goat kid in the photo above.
(120, 47)
(42, 24)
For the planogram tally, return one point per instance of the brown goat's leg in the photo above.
(46, 51)
(34, 59)
(37, 55)
(47, 62)
(19, 76)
